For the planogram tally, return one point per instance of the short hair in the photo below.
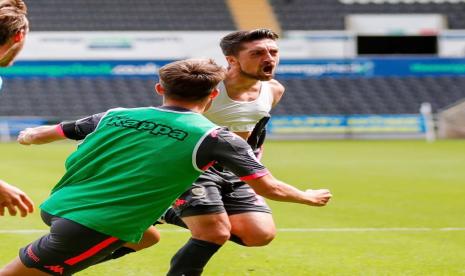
(18, 4)
(190, 79)
(231, 44)
(12, 19)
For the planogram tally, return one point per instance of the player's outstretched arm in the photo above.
(40, 135)
(233, 153)
(274, 189)
(14, 199)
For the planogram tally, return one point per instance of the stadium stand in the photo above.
(253, 14)
(393, 95)
(329, 14)
(77, 96)
(123, 15)
(74, 97)
(71, 97)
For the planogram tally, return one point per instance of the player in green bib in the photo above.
(131, 165)
(129, 146)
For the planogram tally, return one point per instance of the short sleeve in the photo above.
(78, 130)
(232, 152)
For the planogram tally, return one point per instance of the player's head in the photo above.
(254, 53)
(13, 29)
(190, 80)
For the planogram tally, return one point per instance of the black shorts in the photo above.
(68, 248)
(219, 191)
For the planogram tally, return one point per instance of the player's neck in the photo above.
(5, 47)
(198, 107)
(236, 84)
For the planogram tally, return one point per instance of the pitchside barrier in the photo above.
(11, 126)
(408, 126)
(405, 126)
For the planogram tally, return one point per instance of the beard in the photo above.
(264, 73)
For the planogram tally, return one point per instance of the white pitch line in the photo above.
(394, 229)
(453, 229)
(289, 230)
(22, 231)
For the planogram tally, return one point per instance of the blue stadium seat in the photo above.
(329, 14)
(141, 15)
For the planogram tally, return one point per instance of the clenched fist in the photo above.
(319, 197)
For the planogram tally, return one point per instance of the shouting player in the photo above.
(220, 206)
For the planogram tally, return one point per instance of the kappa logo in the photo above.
(151, 127)
(55, 268)
(32, 255)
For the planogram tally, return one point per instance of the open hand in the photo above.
(14, 199)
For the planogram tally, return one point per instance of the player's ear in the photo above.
(231, 60)
(215, 92)
(19, 36)
(159, 89)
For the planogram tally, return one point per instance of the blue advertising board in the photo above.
(94, 68)
(311, 124)
(12, 127)
(290, 125)
(314, 68)
(371, 67)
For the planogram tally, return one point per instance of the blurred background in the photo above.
(353, 69)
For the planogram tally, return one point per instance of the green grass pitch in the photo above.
(398, 209)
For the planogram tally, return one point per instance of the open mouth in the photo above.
(268, 69)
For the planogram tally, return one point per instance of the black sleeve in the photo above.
(230, 151)
(78, 130)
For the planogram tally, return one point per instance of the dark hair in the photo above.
(190, 79)
(12, 19)
(231, 44)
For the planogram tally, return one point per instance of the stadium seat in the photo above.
(329, 14)
(393, 95)
(68, 98)
(122, 15)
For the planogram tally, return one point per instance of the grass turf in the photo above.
(377, 185)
